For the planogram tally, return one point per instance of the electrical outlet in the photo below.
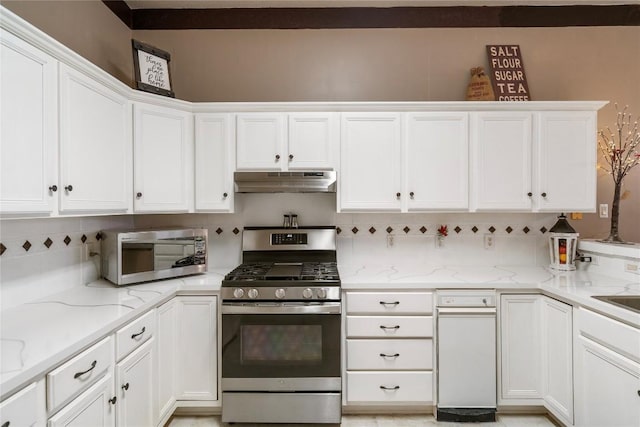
(489, 241)
(604, 210)
(389, 240)
(632, 267)
(594, 260)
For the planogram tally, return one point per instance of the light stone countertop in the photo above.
(38, 336)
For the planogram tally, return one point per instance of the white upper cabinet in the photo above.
(283, 141)
(370, 156)
(214, 159)
(566, 161)
(95, 145)
(313, 139)
(163, 159)
(29, 131)
(501, 161)
(436, 161)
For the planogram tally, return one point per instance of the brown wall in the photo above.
(575, 63)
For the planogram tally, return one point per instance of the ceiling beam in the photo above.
(373, 17)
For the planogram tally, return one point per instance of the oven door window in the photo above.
(273, 346)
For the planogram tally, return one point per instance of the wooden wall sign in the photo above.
(151, 69)
(507, 73)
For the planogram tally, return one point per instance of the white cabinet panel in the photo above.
(406, 354)
(24, 407)
(521, 352)
(501, 161)
(131, 336)
(312, 141)
(29, 131)
(557, 344)
(95, 407)
(261, 141)
(135, 388)
(607, 387)
(95, 145)
(167, 344)
(214, 160)
(163, 159)
(370, 177)
(436, 161)
(389, 303)
(566, 162)
(390, 326)
(197, 340)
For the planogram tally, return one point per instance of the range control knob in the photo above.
(307, 293)
(322, 293)
(253, 293)
(280, 293)
(238, 293)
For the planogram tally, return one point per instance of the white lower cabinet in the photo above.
(389, 348)
(25, 408)
(95, 407)
(135, 387)
(557, 350)
(166, 343)
(196, 358)
(607, 372)
(521, 352)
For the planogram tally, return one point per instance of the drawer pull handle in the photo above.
(6, 424)
(389, 303)
(397, 387)
(113, 400)
(389, 355)
(125, 387)
(390, 327)
(134, 336)
(93, 365)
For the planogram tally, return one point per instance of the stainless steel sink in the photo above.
(630, 302)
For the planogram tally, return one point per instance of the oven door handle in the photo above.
(266, 308)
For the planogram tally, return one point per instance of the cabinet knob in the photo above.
(225, 195)
(411, 194)
(138, 195)
(277, 157)
(68, 188)
(125, 387)
(6, 424)
(638, 392)
(53, 189)
(544, 194)
(113, 400)
(290, 157)
(529, 194)
(398, 196)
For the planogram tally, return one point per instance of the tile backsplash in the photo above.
(52, 265)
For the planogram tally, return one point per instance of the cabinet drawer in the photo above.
(616, 335)
(21, 409)
(389, 326)
(389, 354)
(390, 303)
(391, 387)
(135, 333)
(77, 374)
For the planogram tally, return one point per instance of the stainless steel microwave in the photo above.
(140, 256)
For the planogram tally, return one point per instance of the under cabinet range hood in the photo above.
(285, 182)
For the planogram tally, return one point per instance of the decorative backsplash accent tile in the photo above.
(2, 248)
(474, 229)
(423, 229)
(236, 231)
(26, 245)
(218, 230)
(48, 242)
(372, 230)
(67, 240)
(355, 230)
(98, 236)
(457, 229)
(492, 229)
(543, 230)
(338, 230)
(526, 229)
(406, 229)
(389, 229)
(83, 239)
(509, 229)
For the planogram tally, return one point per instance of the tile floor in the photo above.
(377, 421)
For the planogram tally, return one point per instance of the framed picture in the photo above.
(151, 66)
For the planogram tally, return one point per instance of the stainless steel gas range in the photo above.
(281, 329)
